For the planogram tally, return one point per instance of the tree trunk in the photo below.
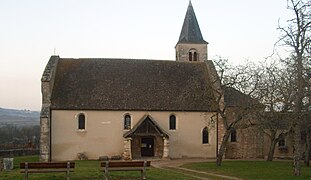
(296, 158)
(272, 147)
(297, 123)
(308, 148)
(222, 148)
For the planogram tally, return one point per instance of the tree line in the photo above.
(18, 137)
(279, 89)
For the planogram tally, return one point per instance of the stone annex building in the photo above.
(138, 108)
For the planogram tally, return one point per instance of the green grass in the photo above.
(88, 170)
(252, 169)
(241, 169)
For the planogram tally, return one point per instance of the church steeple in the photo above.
(190, 32)
(191, 46)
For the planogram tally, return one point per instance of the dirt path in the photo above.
(174, 165)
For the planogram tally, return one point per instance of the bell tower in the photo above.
(191, 46)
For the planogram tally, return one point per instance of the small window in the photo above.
(233, 136)
(195, 56)
(81, 122)
(205, 136)
(172, 122)
(127, 122)
(281, 142)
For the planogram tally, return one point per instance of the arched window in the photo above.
(195, 56)
(281, 142)
(81, 122)
(233, 136)
(190, 56)
(172, 122)
(127, 121)
(205, 136)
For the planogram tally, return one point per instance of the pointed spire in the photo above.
(190, 32)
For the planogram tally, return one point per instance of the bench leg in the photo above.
(26, 170)
(68, 171)
(106, 174)
(143, 174)
(143, 171)
(106, 170)
(26, 175)
(67, 175)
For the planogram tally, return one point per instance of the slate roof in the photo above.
(127, 84)
(279, 120)
(190, 32)
(235, 98)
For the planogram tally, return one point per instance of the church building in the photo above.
(132, 108)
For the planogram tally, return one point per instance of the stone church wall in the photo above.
(249, 144)
(159, 147)
(136, 153)
(182, 51)
(47, 84)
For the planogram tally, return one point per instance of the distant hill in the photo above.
(19, 117)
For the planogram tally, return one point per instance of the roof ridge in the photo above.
(118, 59)
(130, 59)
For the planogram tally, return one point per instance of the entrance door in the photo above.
(147, 146)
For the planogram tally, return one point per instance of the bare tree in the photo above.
(240, 82)
(308, 116)
(296, 36)
(276, 92)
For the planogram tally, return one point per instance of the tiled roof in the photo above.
(127, 84)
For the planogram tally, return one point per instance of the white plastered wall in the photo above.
(104, 133)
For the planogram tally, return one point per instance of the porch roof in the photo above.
(146, 126)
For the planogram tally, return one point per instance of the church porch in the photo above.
(146, 140)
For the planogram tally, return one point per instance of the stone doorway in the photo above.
(147, 147)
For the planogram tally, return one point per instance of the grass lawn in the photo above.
(241, 169)
(87, 170)
(252, 169)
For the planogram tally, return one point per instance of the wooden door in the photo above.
(147, 146)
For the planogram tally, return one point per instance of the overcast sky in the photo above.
(31, 30)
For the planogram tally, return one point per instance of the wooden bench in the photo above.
(46, 167)
(125, 166)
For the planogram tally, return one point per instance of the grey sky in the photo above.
(30, 30)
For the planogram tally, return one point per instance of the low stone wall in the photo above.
(18, 152)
